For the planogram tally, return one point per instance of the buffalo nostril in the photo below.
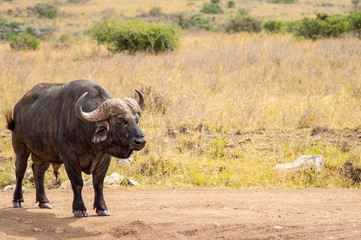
(139, 141)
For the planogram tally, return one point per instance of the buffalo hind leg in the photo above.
(98, 182)
(39, 169)
(21, 163)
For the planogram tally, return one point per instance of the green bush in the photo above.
(137, 35)
(231, 4)
(355, 22)
(212, 8)
(215, 1)
(201, 23)
(47, 10)
(66, 40)
(334, 26)
(323, 26)
(272, 26)
(155, 11)
(24, 42)
(194, 22)
(243, 22)
(48, 13)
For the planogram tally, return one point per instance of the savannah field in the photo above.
(221, 112)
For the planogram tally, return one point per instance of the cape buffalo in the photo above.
(79, 124)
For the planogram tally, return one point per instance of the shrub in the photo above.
(46, 10)
(24, 42)
(48, 13)
(194, 22)
(334, 26)
(212, 8)
(272, 26)
(65, 41)
(215, 1)
(202, 23)
(322, 26)
(231, 4)
(355, 22)
(155, 11)
(137, 35)
(243, 22)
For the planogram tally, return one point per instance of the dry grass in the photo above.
(79, 17)
(218, 81)
(217, 108)
(214, 86)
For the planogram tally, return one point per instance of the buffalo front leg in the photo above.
(21, 162)
(98, 183)
(39, 169)
(74, 174)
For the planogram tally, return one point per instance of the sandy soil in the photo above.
(190, 214)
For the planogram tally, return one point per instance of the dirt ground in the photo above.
(190, 214)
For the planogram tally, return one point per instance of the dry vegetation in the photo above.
(221, 111)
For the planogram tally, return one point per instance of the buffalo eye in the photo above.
(121, 121)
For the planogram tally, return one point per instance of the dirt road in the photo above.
(190, 214)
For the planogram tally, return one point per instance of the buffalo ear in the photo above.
(101, 133)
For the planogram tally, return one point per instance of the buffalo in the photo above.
(78, 124)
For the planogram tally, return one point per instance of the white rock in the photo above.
(277, 227)
(65, 185)
(131, 182)
(113, 179)
(315, 162)
(88, 183)
(124, 162)
(29, 174)
(10, 187)
(58, 230)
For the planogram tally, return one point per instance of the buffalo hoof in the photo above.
(45, 205)
(80, 214)
(18, 204)
(103, 213)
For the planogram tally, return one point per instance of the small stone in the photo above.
(29, 174)
(113, 179)
(88, 183)
(37, 229)
(65, 185)
(132, 182)
(277, 227)
(10, 187)
(124, 162)
(28, 222)
(58, 230)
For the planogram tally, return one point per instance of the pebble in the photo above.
(277, 227)
(58, 230)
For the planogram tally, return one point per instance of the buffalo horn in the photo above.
(106, 110)
(141, 99)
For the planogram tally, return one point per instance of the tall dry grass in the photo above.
(215, 84)
(219, 81)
